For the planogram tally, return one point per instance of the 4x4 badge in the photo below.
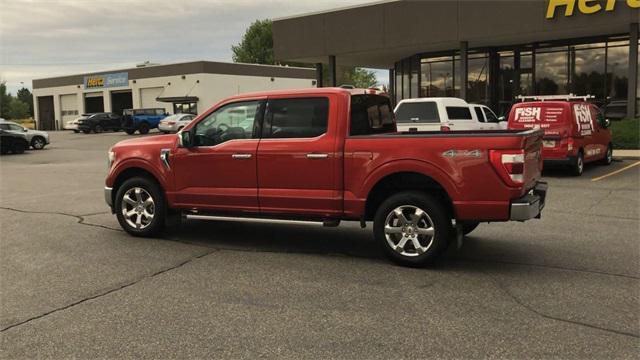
(462, 153)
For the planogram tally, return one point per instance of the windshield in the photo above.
(418, 112)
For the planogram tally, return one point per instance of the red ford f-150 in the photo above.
(325, 155)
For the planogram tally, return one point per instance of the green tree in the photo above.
(256, 47)
(5, 100)
(18, 109)
(25, 96)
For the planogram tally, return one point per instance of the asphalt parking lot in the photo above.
(74, 285)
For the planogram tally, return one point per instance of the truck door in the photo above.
(219, 173)
(299, 165)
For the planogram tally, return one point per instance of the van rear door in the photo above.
(553, 117)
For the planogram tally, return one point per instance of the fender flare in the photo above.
(140, 163)
(412, 166)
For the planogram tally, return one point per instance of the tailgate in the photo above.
(532, 159)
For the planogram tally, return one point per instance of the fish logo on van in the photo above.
(528, 114)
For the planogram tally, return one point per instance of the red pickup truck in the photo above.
(325, 155)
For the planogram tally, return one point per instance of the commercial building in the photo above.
(483, 51)
(185, 87)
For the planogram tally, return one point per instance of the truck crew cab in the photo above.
(575, 131)
(325, 155)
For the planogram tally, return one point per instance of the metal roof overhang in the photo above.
(379, 34)
(173, 99)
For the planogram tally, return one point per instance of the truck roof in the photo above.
(447, 101)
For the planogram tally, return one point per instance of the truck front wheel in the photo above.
(412, 227)
(140, 207)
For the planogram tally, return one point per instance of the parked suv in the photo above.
(141, 120)
(446, 113)
(99, 122)
(575, 131)
(36, 139)
(325, 155)
(11, 142)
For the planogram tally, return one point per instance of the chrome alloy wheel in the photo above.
(409, 230)
(38, 143)
(138, 208)
(580, 165)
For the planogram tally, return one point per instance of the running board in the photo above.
(326, 223)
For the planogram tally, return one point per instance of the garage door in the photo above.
(148, 97)
(68, 107)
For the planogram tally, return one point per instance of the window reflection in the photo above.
(437, 77)
(617, 68)
(551, 71)
(478, 83)
(588, 74)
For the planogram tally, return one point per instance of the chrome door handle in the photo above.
(317, 156)
(241, 156)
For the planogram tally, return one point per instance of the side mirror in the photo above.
(25, 129)
(185, 140)
(502, 118)
(607, 123)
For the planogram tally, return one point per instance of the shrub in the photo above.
(626, 134)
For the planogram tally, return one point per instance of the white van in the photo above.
(445, 113)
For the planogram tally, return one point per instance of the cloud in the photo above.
(44, 38)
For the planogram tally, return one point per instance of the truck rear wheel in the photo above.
(143, 128)
(412, 227)
(140, 207)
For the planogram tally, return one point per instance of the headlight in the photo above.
(111, 159)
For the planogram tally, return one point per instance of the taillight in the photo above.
(171, 122)
(444, 128)
(570, 144)
(509, 164)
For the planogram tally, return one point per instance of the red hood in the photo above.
(157, 141)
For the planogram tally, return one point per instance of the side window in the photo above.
(479, 114)
(159, 111)
(15, 127)
(458, 113)
(4, 126)
(491, 117)
(296, 118)
(230, 122)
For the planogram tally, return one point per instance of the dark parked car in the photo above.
(615, 110)
(12, 142)
(99, 122)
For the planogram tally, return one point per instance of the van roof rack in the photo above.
(567, 97)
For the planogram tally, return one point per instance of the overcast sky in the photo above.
(45, 38)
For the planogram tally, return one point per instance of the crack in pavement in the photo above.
(517, 300)
(81, 218)
(110, 291)
(498, 284)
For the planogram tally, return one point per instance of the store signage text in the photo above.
(106, 80)
(587, 6)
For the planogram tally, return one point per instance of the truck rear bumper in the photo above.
(530, 205)
(108, 198)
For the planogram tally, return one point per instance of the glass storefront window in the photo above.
(437, 77)
(406, 84)
(588, 70)
(478, 79)
(617, 70)
(526, 73)
(506, 81)
(552, 71)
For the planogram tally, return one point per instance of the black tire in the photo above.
(608, 157)
(18, 147)
(130, 131)
(97, 129)
(87, 131)
(156, 225)
(577, 168)
(433, 245)
(38, 143)
(468, 227)
(143, 128)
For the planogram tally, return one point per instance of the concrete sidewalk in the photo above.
(627, 154)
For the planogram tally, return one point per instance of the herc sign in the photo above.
(587, 6)
(106, 80)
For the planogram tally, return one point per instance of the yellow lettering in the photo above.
(553, 4)
(585, 8)
(610, 5)
(633, 3)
